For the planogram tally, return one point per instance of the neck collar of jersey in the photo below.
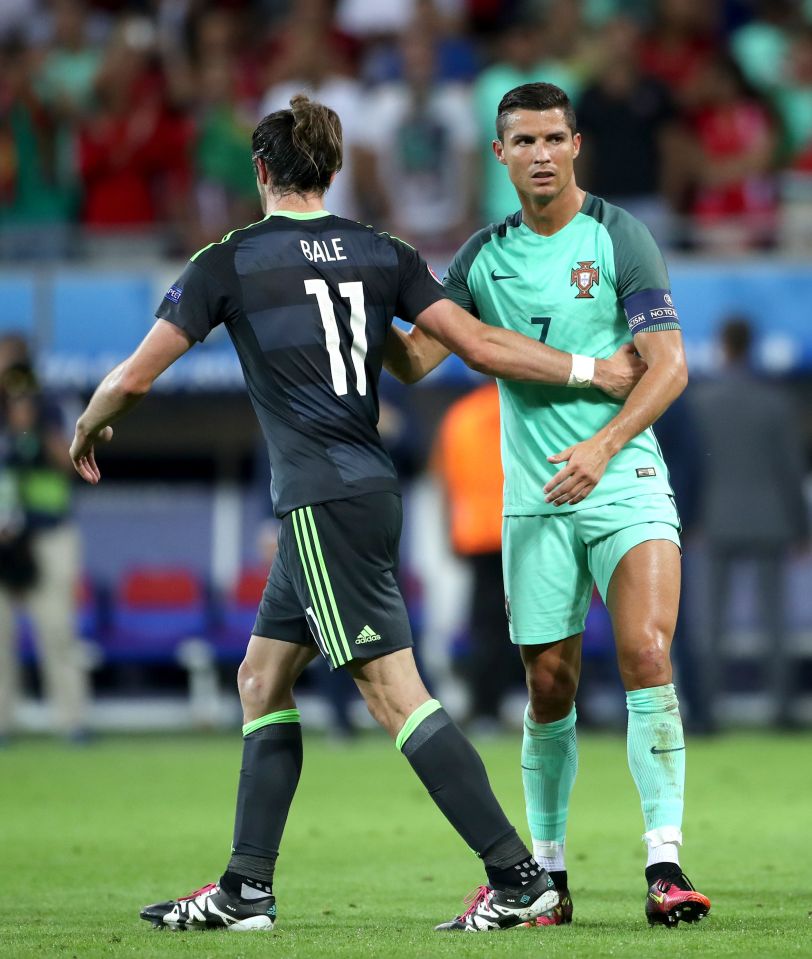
(291, 214)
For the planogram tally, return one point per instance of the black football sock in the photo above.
(559, 878)
(271, 766)
(663, 870)
(454, 775)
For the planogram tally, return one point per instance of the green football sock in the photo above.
(549, 765)
(656, 750)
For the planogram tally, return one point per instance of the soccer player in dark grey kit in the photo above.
(308, 299)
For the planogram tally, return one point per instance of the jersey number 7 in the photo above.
(354, 292)
(544, 322)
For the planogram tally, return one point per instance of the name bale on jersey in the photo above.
(323, 251)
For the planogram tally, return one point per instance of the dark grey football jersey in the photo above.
(307, 300)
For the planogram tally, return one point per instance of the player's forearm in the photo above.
(409, 356)
(117, 393)
(512, 356)
(659, 386)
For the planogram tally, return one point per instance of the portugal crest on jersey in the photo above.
(585, 276)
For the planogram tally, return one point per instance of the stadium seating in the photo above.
(155, 610)
(239, 611)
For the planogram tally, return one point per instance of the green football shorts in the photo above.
(551, 562)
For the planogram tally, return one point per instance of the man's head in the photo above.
(736, 337)
(537, 140)
(298, 150)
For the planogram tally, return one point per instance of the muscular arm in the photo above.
(121, 389)
(445, 328)
(665, 378)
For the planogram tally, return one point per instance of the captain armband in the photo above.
(582, 371)
(650, 311)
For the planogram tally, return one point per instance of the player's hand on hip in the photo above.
(586, 463)
(83, 455)
(619, 375)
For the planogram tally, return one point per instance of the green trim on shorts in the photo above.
(281, 716)
(416, 718)
(329, 588)
(318, 584)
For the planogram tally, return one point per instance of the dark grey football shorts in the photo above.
(334, 580)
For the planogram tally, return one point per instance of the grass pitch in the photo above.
(369, 865)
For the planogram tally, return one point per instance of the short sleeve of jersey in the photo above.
(418, 287)
(642, 282)
(456, 279)
(196, 302)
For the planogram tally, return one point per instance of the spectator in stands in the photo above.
(520, 57)
(39, 544)
(36, 190)
(624, 106)
(735, 202)
(313, 60)
(70, 64)
(760, 46)
(680, 42)
(468, 464)
(133, 153)
(753, 507)
(417, 153)
(225, 190)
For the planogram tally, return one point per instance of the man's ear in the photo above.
(499, 151)
(576, 142)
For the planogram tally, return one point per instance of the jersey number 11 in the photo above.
(354, 292)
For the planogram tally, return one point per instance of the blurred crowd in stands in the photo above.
(125, 124)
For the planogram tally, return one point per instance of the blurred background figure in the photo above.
(311, 55)
(40, 561)
(467, 461)
(734, 198)
(753, 507)
(625, 105)
(419, 151)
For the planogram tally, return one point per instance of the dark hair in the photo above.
(301, 147)
(737, 338)
(534, 96)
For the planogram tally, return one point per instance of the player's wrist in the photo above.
(582, 371)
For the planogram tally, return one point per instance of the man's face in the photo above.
(538, 148)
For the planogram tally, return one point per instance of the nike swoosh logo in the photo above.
(657, 752)
(508, 276)
(660, 899)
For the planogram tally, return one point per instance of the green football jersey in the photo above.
(581, 290)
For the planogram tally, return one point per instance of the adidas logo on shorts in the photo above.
(367, 635)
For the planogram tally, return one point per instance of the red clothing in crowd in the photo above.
(726, 132)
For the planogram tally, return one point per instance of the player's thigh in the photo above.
(344, 569)
(548, 584)
(637, 567)
(281, 619)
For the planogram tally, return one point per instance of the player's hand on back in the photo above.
(619, 375)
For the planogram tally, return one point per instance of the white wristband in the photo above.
(583, 369)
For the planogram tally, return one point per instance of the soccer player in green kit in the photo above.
(586, 497)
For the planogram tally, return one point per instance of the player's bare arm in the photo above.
(120, 390)
(665, 378)
(445, 327)
(409, 355)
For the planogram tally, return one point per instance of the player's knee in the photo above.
(551, 693)
(254, 687)
(648, 662)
